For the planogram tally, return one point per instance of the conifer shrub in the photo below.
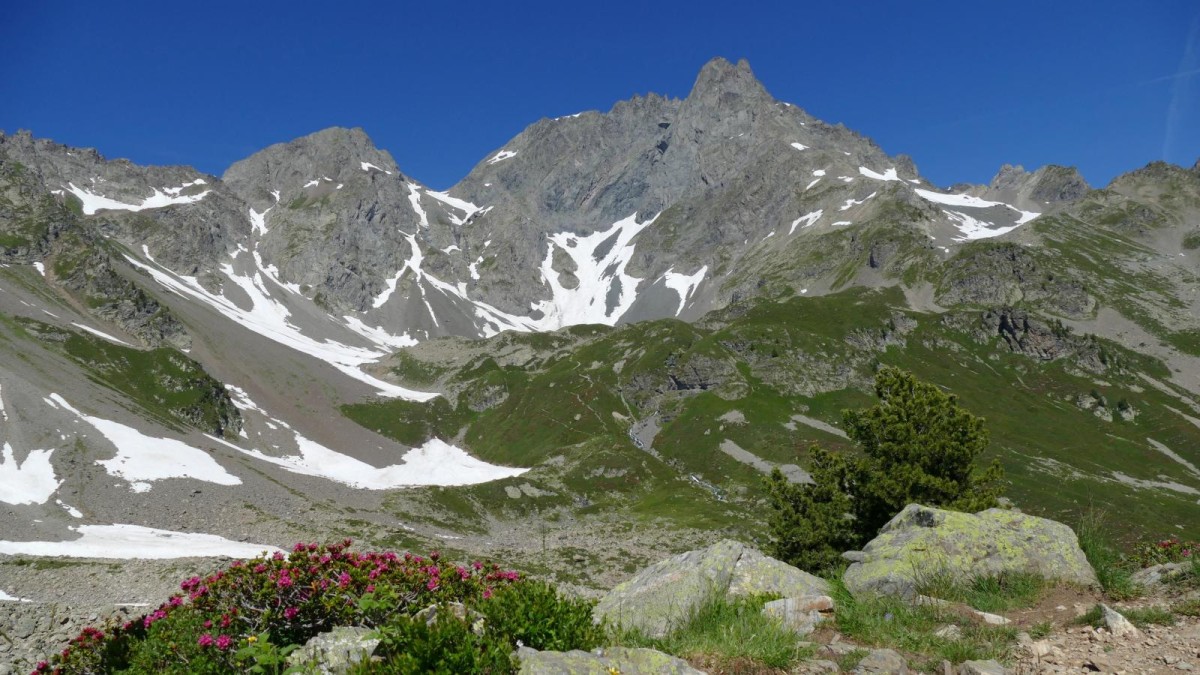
(250, 616)
(917, 446)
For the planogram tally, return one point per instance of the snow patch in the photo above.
(414, 198)
(799, 146)
(269, 318)
(850, 203)
(40, 268)
(93, 202)
(434, 463)
(368, 167)
(973, 202)
(258, 221)
(30, 482)
(134, 541)
(463, 205)
(74, 512)
(842, 222)
(890, 174)
(814, 182)
(141, 458)
(101, 334)
(502, 155)
(598, 278)
(684, 284)
(808, 219)
(819, 172)
(973, 229)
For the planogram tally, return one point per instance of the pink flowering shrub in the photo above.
(1169, 550)
(252, 613)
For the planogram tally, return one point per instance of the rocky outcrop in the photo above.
(335, 652)
(602, 662)
(920, 541)
(662, 595)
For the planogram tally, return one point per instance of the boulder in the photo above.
(336, 651)
(662, 595)
(920, 540)
(602, 662)
(882, 661)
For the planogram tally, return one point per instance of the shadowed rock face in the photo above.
(921, 540)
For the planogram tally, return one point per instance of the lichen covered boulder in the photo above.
(921, 541)
(664, 594)
(602, 662)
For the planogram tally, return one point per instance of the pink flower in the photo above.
(278, 555)
(208, 623)
(432, 585)
(176, 601)
(477, 565)
(290, 613)
(205, 640)
(343, 580)
(260, 568)
(284, 582)
(487, 592)
(224, 642)
(1187, 552)
(370, 588)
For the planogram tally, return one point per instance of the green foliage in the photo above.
(918, 446)
(447, 645)
(729, 629)
(809, 523)
(1169, 550)
(250, 616)
(895, 623)
(992, 593)
(536, 615)
(1112, 569)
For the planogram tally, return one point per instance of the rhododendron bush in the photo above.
(248, 617)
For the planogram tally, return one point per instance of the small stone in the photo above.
(823, 666)
(989, 667)
(949, 632)
(883, 661)
(1117, 624)
(1184, 665)
(1099, 663)
(1170, 659)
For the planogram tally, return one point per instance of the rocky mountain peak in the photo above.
(721, 81)
(1048, 185)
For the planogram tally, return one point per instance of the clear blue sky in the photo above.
(962, 87)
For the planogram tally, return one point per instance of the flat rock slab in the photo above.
(923, 540)
(336, 651)
(883, 661)
(664, 594)
(602, 662)
(989, 667)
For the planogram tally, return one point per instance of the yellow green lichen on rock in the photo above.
(920, 541)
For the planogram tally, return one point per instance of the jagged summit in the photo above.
(721, 80)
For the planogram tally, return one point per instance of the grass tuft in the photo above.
(891, 622)
(997, 593)
(1112, 570)
(728, 630)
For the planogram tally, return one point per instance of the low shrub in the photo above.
(1169, 550)
(249, 616)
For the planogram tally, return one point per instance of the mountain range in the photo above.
(589, 349)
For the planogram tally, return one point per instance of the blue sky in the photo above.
(962, 87)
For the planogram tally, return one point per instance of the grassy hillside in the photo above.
(1074, 419)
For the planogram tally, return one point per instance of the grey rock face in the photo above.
(335, 652)
(661, 596)
(921, 540)
(989, 667)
